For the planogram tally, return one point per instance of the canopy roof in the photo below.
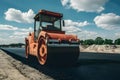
(48, 13)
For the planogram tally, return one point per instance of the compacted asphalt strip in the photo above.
(90, 66)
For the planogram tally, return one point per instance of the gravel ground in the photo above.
(11, 69)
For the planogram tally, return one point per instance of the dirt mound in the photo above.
(102, 48)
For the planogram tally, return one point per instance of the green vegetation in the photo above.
(88, 42)
(117, 41)
(100, 41)
(108, 41)
(13, 45)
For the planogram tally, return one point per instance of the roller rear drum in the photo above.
(57, 54)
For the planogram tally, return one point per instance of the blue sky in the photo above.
(87, 19)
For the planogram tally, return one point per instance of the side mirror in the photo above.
(63, 23)
(30, 34)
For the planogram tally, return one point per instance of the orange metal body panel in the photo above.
(32, 44)
(58, 35)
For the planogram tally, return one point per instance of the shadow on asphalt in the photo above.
(83, 70)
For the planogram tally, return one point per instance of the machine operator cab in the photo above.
(47, 21)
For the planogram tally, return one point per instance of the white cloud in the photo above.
(85, 34)
(18, 16)
(21, 33)
(7, 27)
(64, 2)
(2, 41)
(108, 21)
(10, 34)
(16, 33)
(117, 35)
(27, 29)
(73, 27)
(85, 5)
(79, 24)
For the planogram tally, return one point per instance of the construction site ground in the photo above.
(18, 69)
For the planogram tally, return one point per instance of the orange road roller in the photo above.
(49, 43)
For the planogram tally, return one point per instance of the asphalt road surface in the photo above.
(90, 66)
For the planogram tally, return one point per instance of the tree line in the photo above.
(13, 45)
(97, 41)
(100, 41)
